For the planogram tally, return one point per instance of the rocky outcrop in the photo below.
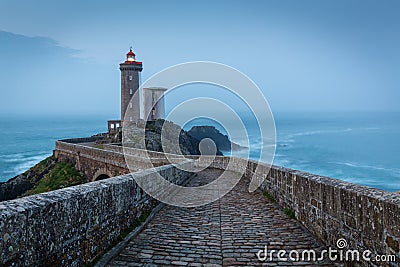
(222, 141)
(188, 145)
(18, 185)
(188, 140)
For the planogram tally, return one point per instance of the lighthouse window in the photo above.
(130, 91)
(130, 78)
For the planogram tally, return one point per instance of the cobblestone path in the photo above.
(228, 232)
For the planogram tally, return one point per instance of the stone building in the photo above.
(153, 103)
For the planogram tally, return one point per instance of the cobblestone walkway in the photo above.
(228, 232)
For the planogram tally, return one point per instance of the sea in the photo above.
(358, 147)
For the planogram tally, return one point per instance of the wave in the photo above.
(285, 140)
(30, 162)
(8, 172)
(321, 132)
(307, 133)
(281, 162)
(371, 128)
(357, 165)
(13, 157)
(20, 163)
(25, 157)
(256, 145)
(282, 145)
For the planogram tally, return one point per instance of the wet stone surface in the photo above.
(228, 232)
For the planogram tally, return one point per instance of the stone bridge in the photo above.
(100, 161)
(292, 210)
(227, 232)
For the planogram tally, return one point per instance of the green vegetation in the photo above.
(135, 224)
(41, 166)
(99, 146)
(290, 213)
(61, 176)
(269, 197)
(121, 237)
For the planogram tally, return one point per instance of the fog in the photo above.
(62, 58)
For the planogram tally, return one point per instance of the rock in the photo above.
(176, 140)
(17, 186)
(222, 141)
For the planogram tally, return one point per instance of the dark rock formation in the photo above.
(188, 145)
(222, 141)
(188, 141)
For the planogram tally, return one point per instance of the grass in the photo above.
(99, 146)
(41, 166)
(269, 197)
(61, 176)
(135, 224)
(290, 213)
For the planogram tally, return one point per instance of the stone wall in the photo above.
(91, 161)
(110, 161)
(71, 226)
(368, 218)
(83, 139)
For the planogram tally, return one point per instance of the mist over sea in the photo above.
(362, 148)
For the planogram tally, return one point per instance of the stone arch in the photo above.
(101, 174)
(102, 177)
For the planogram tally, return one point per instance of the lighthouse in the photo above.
(130, 82)
(152, 107)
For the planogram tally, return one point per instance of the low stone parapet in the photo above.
(71, 226)
(331, 209)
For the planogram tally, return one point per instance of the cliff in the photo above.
(45, 176)
(61, 175)
(18, 185)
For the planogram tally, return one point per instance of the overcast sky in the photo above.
(61, 57)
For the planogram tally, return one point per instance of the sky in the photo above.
(61, 57)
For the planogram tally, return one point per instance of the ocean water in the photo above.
(362, 148)
(27, 140)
